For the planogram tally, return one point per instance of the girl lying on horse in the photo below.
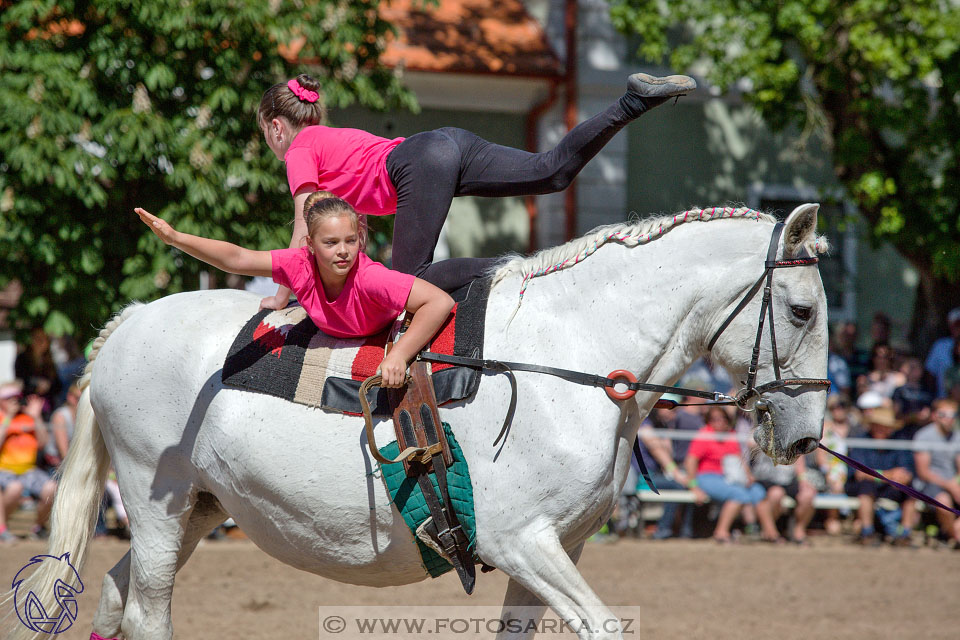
(344, 292)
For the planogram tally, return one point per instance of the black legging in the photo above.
(430, 168)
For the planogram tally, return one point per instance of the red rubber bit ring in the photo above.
(626, 376)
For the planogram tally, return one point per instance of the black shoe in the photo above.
(647, 86)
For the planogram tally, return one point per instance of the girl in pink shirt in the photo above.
(344, 292)
(417, 177)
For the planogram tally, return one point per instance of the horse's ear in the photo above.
(801, 229)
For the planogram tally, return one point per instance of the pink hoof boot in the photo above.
(94, 636)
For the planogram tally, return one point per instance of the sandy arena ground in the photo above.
(231, 589)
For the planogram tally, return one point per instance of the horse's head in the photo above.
(790, 416)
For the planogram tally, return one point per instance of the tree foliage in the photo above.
(878, 80)
(113, 104)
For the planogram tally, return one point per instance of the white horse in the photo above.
(189, 452)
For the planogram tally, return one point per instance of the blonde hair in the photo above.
(279, 101)
(321, 205)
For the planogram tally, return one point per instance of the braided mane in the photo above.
(631, 234)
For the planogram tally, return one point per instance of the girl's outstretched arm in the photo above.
(222, 255)
(431, 306)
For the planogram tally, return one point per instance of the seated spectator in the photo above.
(845, 345)
(836, 429)
(838, 370)
(61, 430)
(940, 357)
(787, 480)
(38, 372)
(937, 468)
(951, 377)
(70, 364)
(912, 401)
(718, 471)
(892, 463)
(883, 376)
(665, 454)
(22, 434)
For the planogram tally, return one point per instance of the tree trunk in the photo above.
(935, 298)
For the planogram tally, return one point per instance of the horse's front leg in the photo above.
(542, 573)
(524, 608)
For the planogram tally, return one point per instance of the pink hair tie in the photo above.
(303, 94)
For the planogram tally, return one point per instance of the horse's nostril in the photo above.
(804, 446)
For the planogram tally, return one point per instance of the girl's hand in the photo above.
(274, 302)
(34, 406)
(393, 370)
(160, 227)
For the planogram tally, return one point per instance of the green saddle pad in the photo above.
(407, 495)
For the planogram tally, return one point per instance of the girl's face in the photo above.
(335, 244)
(717, 419)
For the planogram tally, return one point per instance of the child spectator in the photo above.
(22, 434)
(937, 468)
(836, 430)
(344, 292)
(418, 177)
(787, 480)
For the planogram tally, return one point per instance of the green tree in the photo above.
(877, 80)
(113, 104)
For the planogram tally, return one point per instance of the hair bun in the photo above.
(308, 82)
(316, 197)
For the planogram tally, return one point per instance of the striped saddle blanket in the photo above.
(282, 353)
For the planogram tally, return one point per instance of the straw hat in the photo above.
(883, 416)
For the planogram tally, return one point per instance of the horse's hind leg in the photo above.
(206, 515)
(113, 598)
(542, 572)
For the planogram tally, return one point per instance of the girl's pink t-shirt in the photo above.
(710, 453)
(372, 297)
(349, 163)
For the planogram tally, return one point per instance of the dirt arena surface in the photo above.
(831, 589)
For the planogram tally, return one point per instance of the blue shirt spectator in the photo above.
(940, 356)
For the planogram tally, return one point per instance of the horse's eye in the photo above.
(801, 313)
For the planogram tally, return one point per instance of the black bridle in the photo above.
(751, 390)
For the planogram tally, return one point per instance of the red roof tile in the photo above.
(468, 36)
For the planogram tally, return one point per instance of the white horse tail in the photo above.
(76, 505)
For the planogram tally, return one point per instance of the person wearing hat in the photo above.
(22, 435)
(940, 356)
(895, 464)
